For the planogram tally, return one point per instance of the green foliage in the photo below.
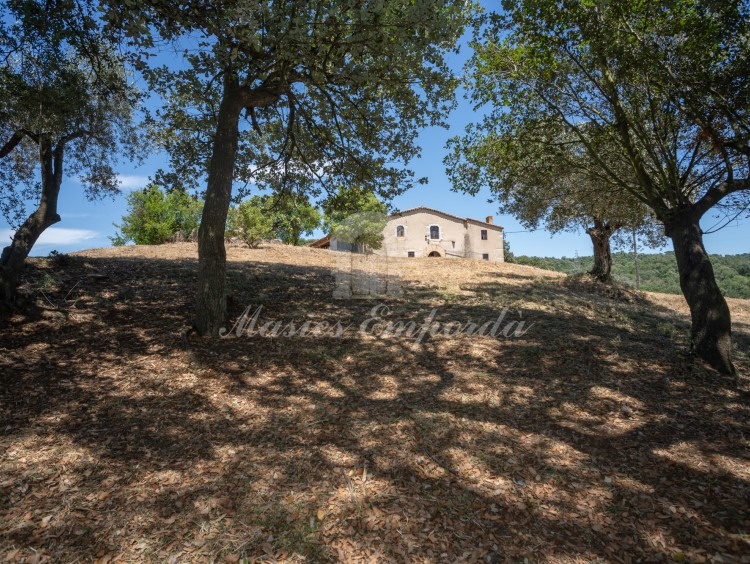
(356, 216)
(346, 201)
(154, 216)
(578, 89)
(362, 230)
(332, 92)
(293, 216)
(507, 253)
(63, 86)
(289, 215)
(584, 82)
(538, 174)
(294, 96)
(251, 221)
(658, 272)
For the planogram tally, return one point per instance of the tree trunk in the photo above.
(210, 305)
(14, 255)
(600, 235)
(711, 331)
(635, 260)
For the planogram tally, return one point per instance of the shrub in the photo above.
(154, 216)
(355, 215)
(507, 253)
(251, 222)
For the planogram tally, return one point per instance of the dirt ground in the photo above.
(592, 436)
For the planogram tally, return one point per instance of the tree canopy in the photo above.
(330, 92)
(538, 173)
(356, 216)
(656, 272)
(66, 106)
(606, 75)
(299, 96)
(156, 216)
(293, 216)
(63, 84)
(251, 222)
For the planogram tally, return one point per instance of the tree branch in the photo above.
(14, 140)
(719, 192)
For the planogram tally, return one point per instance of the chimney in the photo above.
(489, 219)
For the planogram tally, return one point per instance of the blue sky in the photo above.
(87, 224)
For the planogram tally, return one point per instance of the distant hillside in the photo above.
(658, 271)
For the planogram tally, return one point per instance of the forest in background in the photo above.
(658, 272)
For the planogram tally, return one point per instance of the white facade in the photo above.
(424, 232)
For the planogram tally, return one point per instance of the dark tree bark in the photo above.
(14, 255)
(711, 330)
(210, 305)
(600, 235)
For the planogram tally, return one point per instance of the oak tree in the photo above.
(156, 216)
(541, 175)
(65, 107)
(628, 75)
(355, 216)
(293, 216)
(251, 222)
(297, 96)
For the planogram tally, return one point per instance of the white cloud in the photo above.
(130, 182)
(126, 182)
(55, 236)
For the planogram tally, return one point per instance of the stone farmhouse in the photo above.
(426, 232)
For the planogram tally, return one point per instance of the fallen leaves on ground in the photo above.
(594, 437)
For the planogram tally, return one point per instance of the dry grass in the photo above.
(594, 437)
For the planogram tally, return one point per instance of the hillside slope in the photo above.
(591, 436)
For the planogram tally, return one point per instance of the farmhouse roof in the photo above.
(448, 215)
(325, 242)
(322, 243)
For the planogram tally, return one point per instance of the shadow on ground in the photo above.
(592, 436)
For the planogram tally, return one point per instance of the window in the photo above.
(434, 232)
(484, 234)
(485, 256)
(410, 254)
(399, 231)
